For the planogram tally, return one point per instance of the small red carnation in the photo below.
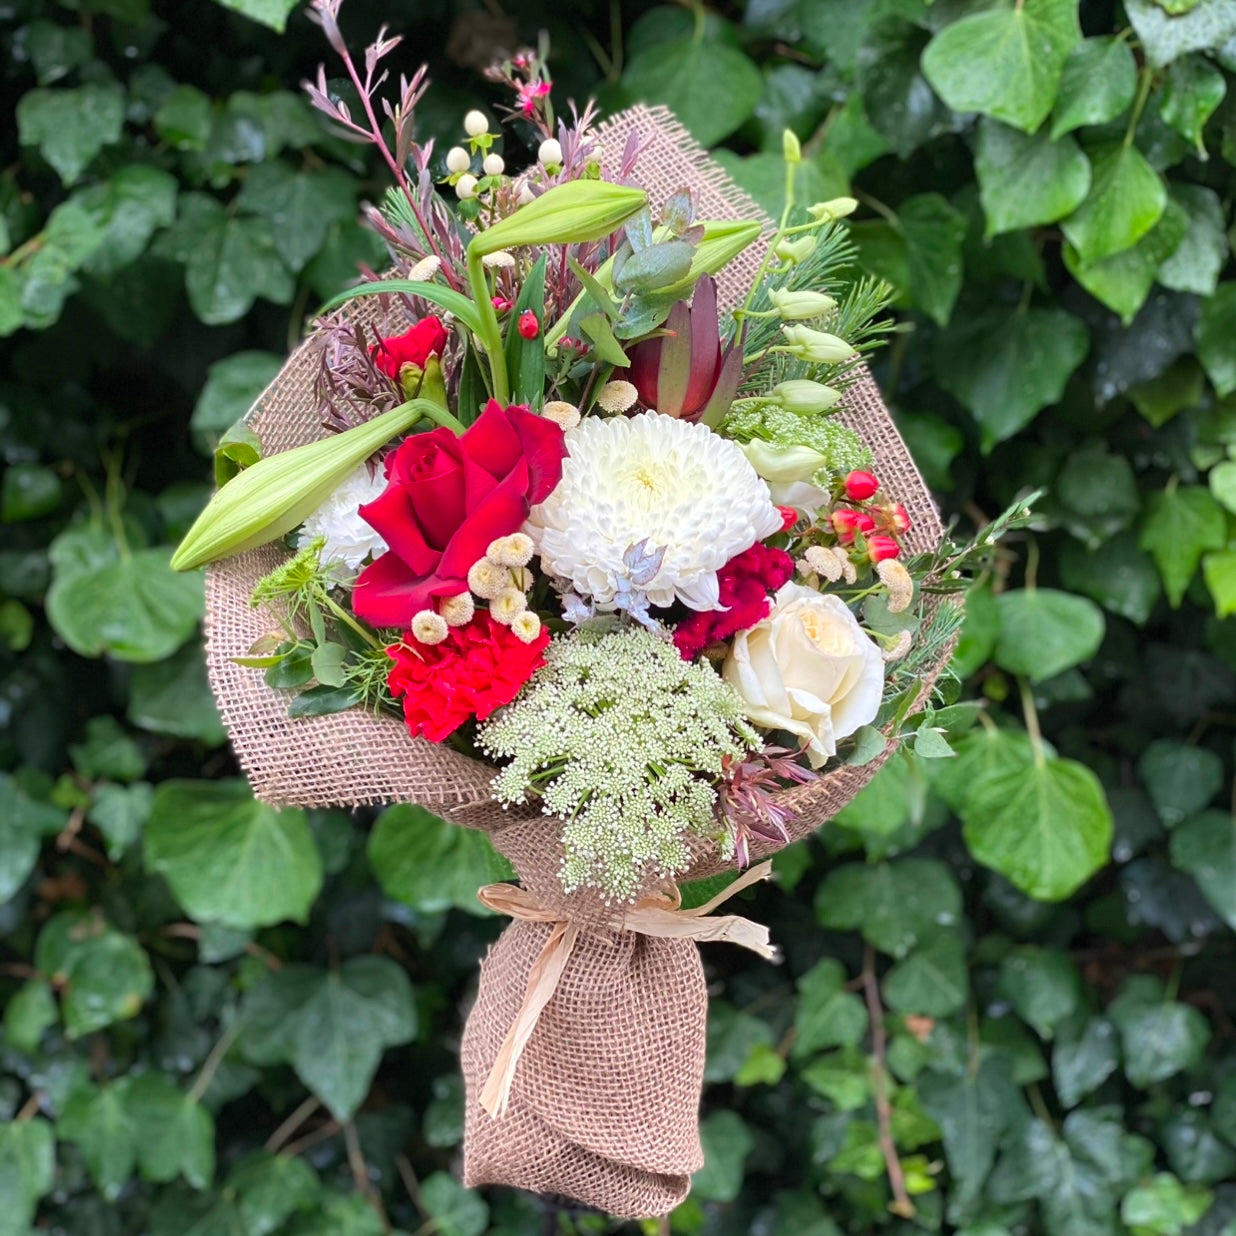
(414, 347)
(477, 669)
(744, 584)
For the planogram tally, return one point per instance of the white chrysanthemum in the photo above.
(637, 488)
(349, 539)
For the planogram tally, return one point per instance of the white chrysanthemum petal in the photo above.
(349, 539)
(634, 486)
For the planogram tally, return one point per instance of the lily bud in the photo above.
(724, 240)
(831, 211)
(571, 213)
(794, 306)
(791, 147)
(817, 345)
(805, 396)
(794, 251)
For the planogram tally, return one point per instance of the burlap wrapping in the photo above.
(605, 1101)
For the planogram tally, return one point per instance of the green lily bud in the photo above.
(571, 213)
(279, 492)
(805, 396)
(780, 464)
(724, 240)
(791, 147)
(804, 304)
(832, 210)
(817, 345)
(794, 251)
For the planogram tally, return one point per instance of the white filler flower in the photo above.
(652, 505)
(349, 539)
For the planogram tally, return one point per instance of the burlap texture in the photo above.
(606, 1097)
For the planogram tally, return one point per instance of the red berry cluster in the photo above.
(878, 522)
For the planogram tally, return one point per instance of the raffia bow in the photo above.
(658, 915)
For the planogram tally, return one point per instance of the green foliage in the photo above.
(1010, 966)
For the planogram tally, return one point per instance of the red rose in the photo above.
(477, 669)
(446, 499)
(427, 338)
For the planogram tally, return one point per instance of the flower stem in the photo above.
(490, 335)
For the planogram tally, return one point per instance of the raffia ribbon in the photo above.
(659, 915)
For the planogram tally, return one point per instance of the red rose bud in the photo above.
(529, 327)
(501, 304)
(859, 486)
(901, 518)
(845, 524)
(789, 517)
(427, 338)
(881, 547)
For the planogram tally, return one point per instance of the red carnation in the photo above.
(744, 584)
(427, 338)
(477, 669)
(446, 499)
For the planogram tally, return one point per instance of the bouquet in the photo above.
(585, 526)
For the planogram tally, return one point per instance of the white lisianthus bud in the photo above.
(487, 579)
(617, 396)
(830, 211)
(805, 396)
(429, 628)
(458, 160)
(511, 551)
(808, 668)
(793, 251)
(526, 626)
(476, 123)
(494, 165)
(561, 413)
(791, 146)
(549, 153)
(465, 187)
(817, 345)
(803, 304)
(457, 611)
(507, 606)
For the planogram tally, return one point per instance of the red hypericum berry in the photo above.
(864, 523)
(501, 304)
(859, 486)
(529, 327)
(844, 523)
(901, 518)
(881, 547)
(789, 517)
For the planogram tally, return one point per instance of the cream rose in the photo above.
(808, 668)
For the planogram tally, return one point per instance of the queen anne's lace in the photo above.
(623, 740)
(634, 487)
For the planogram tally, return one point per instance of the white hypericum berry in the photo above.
(458, 159)
(457, 610)
(526, 626)
(476, 123)
(549, 153)
(494, 165)
(429, 628)
(465, 187)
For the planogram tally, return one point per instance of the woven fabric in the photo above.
(605, 1101)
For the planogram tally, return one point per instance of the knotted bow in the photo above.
(658, 915)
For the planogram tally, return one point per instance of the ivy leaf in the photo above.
(726, 1142)
(1193, 89)
(1025, 180)
(1119, 575)
(1215, 327)
(1043, 986)
(119, 812)
(431, 865)
(453, 1210)
(27, 1170)
(173, 697)
(1097, 85)
(1179, 526)
(1043, 631)
(269, 1189)
(1006, 367)
(827, 1015)
(1160, 1037)
(229, 858)
(70, 127)
(1085, 1055)
(104, 975)
(127, 208)
(24, 822)
(1125, 201)
(1180, 778)
(1162, 1206)
(300, 206)
(895, 905)
(710, 87)
(1200, 256)
(1006, 63)
(31, 1009)
(932, 980)
(1165, 36)
(100, 1124)
(175, 1134)
(1205, 847)
(272, 13)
